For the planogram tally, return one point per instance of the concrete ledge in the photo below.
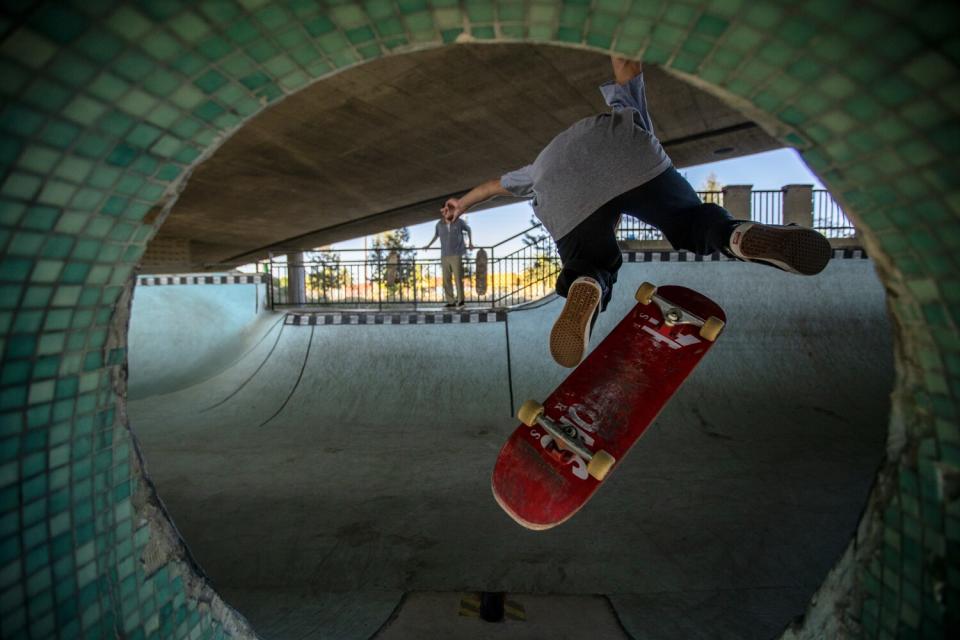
(299, 318)
(665, 255)
(189, 278)
(662, 245)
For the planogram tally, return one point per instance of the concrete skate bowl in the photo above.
(93, 153)
(340, 464)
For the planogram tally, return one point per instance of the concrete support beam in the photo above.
(296, 279)
(798, 204)
(736, 200)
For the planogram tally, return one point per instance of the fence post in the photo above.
(736, 200)
(379, 286)
(491, 265)
(414, 282)
(271, 282)
(296, 280)
(798, 204)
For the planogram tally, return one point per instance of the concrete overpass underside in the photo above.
(385, 144)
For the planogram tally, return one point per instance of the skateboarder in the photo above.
(450, 230)
(612, 164)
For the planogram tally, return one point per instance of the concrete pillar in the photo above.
(798, 204)
(296, 279)
(736, 200)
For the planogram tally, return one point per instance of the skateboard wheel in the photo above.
(600, 464)
(711, 328)
(645, 293)
(529, 412)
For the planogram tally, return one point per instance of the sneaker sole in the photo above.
(571, 331)
(796, 249)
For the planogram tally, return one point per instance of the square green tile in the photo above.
(262, 50)
(129, 23)
(210, 81)
(215, 48)
(273, 17)
(161, 45)
(293, 38)
(189, 26)
(133, 66)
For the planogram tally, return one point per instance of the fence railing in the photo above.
(384, 279)
(828, 218)
(766, 206)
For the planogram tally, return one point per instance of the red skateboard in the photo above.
(553, 463)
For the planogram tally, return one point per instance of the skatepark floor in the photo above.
(333, 481)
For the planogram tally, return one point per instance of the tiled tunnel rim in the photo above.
(106, 106)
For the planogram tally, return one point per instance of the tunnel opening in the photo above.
(314, 396)
(77, 193)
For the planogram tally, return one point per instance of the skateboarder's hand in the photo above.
(624, 69)
(452, 209)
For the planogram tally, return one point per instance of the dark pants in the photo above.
(667, 202)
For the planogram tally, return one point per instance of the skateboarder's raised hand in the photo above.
(456, 207)
(624, 70)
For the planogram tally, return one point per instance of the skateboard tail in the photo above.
(529, 489)
(533, 526)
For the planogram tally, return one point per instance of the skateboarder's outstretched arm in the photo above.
(456, 207)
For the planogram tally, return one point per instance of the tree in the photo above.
(397, 240)
(543, 269)
(536, 234)
(713, 188)
(324, 273)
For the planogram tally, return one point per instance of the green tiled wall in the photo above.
(104, 105)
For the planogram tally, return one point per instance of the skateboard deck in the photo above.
(547, 471)
(480, 275)
(393, 261)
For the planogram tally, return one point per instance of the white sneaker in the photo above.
(570, 336)
(791, 248)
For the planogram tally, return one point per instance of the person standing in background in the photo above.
(452, 249)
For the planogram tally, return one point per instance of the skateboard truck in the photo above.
(598, 464)
(674, 315)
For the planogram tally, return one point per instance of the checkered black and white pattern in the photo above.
(258, 278)
(849, 253)
(395, 317)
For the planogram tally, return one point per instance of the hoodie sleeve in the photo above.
(519, 182)
(631, 95)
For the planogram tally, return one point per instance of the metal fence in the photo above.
(766, 206)
(828, 218)
(631, 228)
(384, 279)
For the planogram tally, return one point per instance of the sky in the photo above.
(768, 170)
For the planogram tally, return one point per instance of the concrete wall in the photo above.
(182, 334)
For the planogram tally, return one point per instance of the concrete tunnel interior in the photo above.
(86, 547)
